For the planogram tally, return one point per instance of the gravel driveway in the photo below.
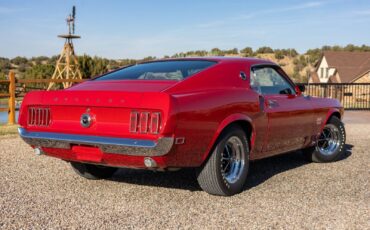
(283, 192)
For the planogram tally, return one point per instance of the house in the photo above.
(342, 67)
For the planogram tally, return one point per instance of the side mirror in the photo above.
(300, 89)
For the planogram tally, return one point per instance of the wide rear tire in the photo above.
(331, 144)
(93, 172)
(225, 171)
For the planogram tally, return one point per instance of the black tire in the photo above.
(315, 155)
(93, 172)
(211, 176)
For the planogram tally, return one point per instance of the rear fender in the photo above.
(227, 121)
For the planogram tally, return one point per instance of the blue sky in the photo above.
(135, 29)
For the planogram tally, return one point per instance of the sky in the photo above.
(135, 29)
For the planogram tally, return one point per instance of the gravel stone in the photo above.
(282, 192)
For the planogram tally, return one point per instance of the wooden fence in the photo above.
(353, 96)
(12, 94)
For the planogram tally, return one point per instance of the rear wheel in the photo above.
(226, 170)
(330, 144)
(93, 172)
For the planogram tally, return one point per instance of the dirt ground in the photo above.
(283, 192)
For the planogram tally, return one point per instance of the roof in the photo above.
(350, 65)
(333, 79)
(219, 59)
(314, 77)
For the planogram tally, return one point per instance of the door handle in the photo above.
(272, 103)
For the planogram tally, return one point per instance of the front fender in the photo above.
(329, 114)
(227, 121)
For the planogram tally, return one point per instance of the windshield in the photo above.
(161, 70)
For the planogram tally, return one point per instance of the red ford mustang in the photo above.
(213, 114)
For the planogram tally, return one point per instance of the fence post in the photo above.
(11, 111)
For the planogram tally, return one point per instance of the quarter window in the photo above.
(267, 81)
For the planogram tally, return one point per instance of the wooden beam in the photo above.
(11, 111)
(25, 81)
(4, 94)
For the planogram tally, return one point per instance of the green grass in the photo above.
(8, 129)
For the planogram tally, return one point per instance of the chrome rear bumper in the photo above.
(125, 146)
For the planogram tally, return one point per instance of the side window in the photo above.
(267, 81)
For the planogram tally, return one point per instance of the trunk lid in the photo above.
(109, 104)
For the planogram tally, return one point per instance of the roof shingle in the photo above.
(349, 65)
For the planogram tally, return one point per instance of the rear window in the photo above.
(161, 70)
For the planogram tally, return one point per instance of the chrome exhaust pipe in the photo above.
(149, 162)
(38, 151)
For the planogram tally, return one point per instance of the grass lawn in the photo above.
(8, 129)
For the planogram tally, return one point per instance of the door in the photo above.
(290, 116)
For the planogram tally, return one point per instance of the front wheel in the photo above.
(226, 170)
(93, 172)
(330, 145)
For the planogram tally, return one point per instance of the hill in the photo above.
(297, 66)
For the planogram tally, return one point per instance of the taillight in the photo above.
(38, 116)
(155, 123)
(145, 122)
(134, 119)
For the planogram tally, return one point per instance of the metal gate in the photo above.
(353, 96)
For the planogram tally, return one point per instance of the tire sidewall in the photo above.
(236, 187)
(318, 156)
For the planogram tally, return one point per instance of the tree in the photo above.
(22, 68)
(19, 60)
(42, 71)
(247, 52)
(291, 52)
(264, 50)
(92, 67)
(314, 55)
(217, 52)
(4, 64)
(231, 51)
(279, 54)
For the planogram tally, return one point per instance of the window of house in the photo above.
(321, 72)
(327, 72)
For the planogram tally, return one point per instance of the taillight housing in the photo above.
(38, 116)
(145, 122)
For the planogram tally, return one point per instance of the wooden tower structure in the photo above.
(67, 66)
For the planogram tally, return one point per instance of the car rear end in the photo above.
(123, 119)
(115, 128)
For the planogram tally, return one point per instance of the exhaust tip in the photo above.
(38, 151)
(149, 162)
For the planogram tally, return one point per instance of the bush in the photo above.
(247, 52)
(279, 54)
(264, 50)
(19, 60)
(217, 52)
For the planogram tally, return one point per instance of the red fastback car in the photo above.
(212, 114)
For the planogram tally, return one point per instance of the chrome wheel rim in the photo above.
(232, 159)
(329, 140)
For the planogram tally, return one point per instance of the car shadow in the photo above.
(262, 170)
(185, 179)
